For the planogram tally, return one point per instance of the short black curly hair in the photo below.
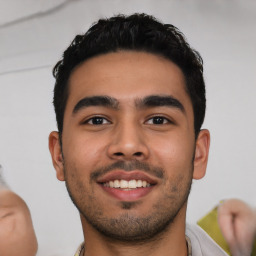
(138, 32)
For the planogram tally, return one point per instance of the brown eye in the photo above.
(97, 120)
(158, 120)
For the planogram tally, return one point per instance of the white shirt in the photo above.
(202, 244)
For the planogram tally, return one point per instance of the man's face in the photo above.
(128, 144)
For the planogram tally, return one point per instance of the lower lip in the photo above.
(127, 195)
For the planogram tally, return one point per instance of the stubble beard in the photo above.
(128, 227)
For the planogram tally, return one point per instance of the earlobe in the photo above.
(201, 154)
(56, 153)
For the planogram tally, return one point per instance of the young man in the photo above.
(130, 101)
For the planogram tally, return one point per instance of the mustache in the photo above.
(128, 166)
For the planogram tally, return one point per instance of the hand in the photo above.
(237, 222)
(17, 235)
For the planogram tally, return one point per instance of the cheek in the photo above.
(174, 152)
(83, 151)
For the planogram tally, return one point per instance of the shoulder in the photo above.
(202, 243)
(79, 250)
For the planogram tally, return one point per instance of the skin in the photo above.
(17, 235)
(237, 221)
(129, 133)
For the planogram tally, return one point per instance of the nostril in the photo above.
(119, 154)
(122, 154)
(138, 154)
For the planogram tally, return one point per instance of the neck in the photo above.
(170, 242)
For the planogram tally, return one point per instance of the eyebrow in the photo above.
(160, 101)
(110, 102)
(104, 101)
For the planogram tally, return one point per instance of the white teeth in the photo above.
(132, 184)
(116, 184)
(139, 183)
(124, 184)
(111, 184)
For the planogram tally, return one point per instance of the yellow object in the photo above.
(209, 224)
(254, 249)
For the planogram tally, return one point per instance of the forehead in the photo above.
(126, 75)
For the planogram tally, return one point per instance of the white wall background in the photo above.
(33, 35)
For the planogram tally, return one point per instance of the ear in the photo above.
(57, 159)
(201, 154)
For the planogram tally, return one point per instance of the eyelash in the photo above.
(104, 121)
(164, 119)
(90, 120)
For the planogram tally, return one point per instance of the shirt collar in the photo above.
(80, 250)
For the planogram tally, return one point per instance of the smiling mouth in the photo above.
(127, 185)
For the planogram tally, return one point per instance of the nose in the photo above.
(128, 143)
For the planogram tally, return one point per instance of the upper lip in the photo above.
(124, 175)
